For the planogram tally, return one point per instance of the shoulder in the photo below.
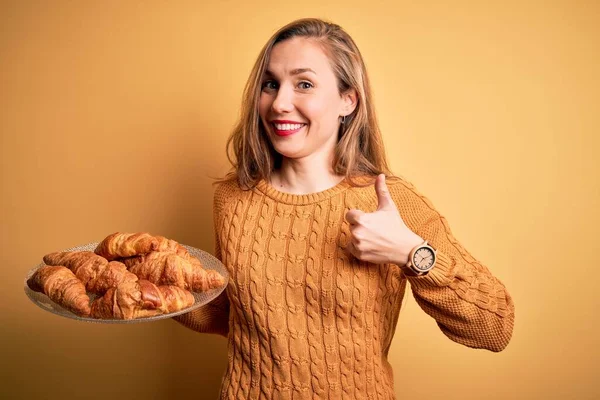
(415, 208)
(226, 189)
(405, 192)
(225, 193)
(229, 192)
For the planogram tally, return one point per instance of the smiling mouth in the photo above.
(286, 129)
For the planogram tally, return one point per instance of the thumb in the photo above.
(383, 194)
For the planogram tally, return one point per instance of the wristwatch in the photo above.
(421, 259)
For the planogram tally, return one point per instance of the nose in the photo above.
(283, 102)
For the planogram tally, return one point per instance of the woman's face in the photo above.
(300, 105)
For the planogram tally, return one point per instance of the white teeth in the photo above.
(288, 127)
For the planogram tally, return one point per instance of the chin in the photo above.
(290, 153)
(289, 149)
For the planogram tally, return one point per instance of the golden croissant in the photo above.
(126, 245)
(61, 286)
(166, 268)
(140, 299)
(95, 272)
(176, 298)
(170, 245)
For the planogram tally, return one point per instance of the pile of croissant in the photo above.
(133, 275)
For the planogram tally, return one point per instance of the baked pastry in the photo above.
(135, 275)
(95, 272)
(166, 268)
(120, 245)
(62, 287)
(170, 245)
(176, 298)
(140, 299)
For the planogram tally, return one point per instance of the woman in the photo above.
(320, 240)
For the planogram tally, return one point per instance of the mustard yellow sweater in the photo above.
(306, 320)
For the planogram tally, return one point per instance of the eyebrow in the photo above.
(296, 71)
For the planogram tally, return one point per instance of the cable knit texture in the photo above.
(306, 320)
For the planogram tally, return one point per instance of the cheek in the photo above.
(264, 103)
(319, 112)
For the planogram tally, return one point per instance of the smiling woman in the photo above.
(300, 107)
(318, 247)
(310, 72)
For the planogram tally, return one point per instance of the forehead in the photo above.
(297, 53)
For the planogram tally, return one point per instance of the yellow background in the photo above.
(114, 116)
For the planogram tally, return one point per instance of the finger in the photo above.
(353, 215)
(351, 249)
(384, 198)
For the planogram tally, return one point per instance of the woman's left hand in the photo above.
(381, 237)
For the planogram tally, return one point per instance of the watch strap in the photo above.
(409, 269)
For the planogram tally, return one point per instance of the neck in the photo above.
(304, 176)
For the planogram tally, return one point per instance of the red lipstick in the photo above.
(286, 132)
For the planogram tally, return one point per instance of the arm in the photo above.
(214, 316)
(469, 304)
(211, 318)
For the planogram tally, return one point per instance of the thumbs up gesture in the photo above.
(382, 236)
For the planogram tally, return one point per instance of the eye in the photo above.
(269, 85)
(305, 85)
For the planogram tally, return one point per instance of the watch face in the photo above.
(423, 259)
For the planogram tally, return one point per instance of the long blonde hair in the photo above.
(359, 150)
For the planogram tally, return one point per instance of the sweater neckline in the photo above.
(301, 199)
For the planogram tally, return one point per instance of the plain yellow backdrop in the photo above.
(114, 116)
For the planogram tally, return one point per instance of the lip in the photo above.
(285, 121)
(286, 132)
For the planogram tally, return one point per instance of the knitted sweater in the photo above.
(307, 320)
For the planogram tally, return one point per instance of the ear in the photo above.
(349, 102)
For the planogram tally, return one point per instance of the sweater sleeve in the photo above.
(214, 316)
(470, 305)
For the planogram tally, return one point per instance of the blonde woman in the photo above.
(320, 239)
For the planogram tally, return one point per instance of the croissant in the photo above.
(95, 272)
(126, 245)
(176, 298)
(170, 245)
(140, 299)
(165, 268)
(61, 286)
(114, 274)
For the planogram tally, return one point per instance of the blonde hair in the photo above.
(359, 150)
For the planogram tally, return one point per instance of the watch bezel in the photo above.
(413, 265)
